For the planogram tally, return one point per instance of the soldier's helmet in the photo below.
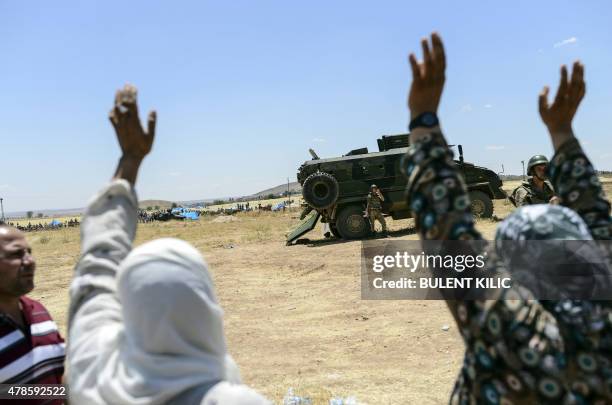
(534, 161)
(373, 186)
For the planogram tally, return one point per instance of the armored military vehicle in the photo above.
(335, 189)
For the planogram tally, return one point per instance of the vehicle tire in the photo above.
(481, 204)
(320, 190)
(351, 224)
(334, 231)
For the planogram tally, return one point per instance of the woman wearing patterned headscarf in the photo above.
(520, 349)
(145, 326)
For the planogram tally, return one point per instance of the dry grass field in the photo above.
(293, 315)
(44, 220)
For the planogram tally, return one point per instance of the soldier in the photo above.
(374, 208)
(536, 190)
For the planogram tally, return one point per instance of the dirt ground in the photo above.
(293, 315)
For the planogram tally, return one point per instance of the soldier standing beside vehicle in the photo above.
(374, 208)
(536, 190)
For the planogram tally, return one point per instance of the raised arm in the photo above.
(135, 143)
(107, 232)
(571, 172)
(436, 192)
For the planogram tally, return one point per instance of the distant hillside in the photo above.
(154, 203)
(293, 188)
(47, 213)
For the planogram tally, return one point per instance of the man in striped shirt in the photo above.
(31, 348)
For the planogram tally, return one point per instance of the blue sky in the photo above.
(244, 88)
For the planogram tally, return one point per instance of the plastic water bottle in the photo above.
(343, 401)
(292, 399)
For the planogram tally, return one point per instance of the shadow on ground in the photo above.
(334, 241)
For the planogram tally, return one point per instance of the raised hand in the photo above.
(427, 78)
(134, 142)
(559, 115)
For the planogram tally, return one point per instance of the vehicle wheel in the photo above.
(351, 224)
(481, 204)
(320, 190)
(334, 231)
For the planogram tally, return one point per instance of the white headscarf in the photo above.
(173, 339)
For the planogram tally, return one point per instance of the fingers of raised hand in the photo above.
(113, 118)
(116, 115)
(128, 95)
(577, 87)
(543, 101)
(427, 58)
(434, 60)
(559, 115)
(563, 87)
(151, 124)
(416, 68)
(126, 102)
(438, 52)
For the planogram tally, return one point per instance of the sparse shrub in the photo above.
(259, 233)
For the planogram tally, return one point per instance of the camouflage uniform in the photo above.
(374, 210)
(527, 193)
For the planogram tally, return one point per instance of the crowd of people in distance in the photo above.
(49, 226)
(145, 325)
(247, 207)
(244, 206)
(145, 216)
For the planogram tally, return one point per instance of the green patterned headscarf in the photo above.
(549, 249)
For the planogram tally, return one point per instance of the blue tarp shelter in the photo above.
(191, 215)
(183, 212)
(278, 207)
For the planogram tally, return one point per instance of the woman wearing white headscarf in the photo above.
(520, 348)
(145, 326)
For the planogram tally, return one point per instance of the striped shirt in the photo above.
(34, 355)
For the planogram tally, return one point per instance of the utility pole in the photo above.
(523, 162)
(288, 195)
(1, 210)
